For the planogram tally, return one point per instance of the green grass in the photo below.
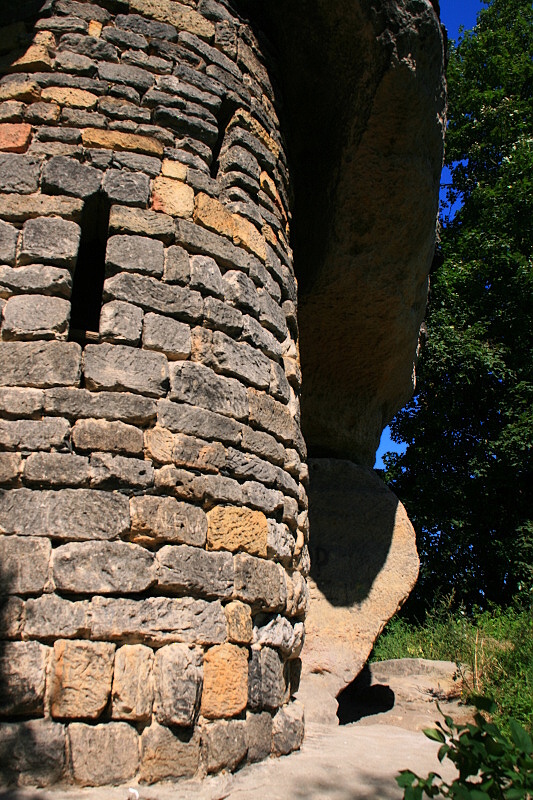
(493, 648)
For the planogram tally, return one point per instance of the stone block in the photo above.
(272, 416)
(121, 322)
(8, 244)
(34, 434)
(35, 317)
(263, 445)
(32, 752)
(109, 471)
(258, 736)
(197, 239)
(205, 276)
(240, 360)
(281, 543)
(89, 435)
(10, 467)
(167, 754)
(79, 403)
(279, 385)
(50, 240)
(135, 254)
(118, 368)
(260, 583)
(118, 108)
(239, 622)
(167, 335)
(176, 265)
(19, 173)
(20, 403)
(120, 743)
(216, 489)
(119, 140)
(198, 385)
(81, 679)
(39, 364)
(237, 529)
(267, 679)
(288, 729)
(102, 568)
(189, 570)
(254, 333)
(199, 422)
(14, 137)
(269, 501)
(157, 620)
(222, 316)
(172, 197)
(211, 214)
(157, 520)
(281, 634)
(138, 221)
(19, 209)
(133, 690)
(21, 88)
(246, 466)
(67, 176)
(89, 46)
(24, 564)
(56, 469)
(138, 162)
(35, 279)
(165, 447)
(50, 617)
(69, 96)
(130, 188)
(153, 295)
(67, 514)
(181, 16)
(23, 669)
(224, 744)
(177, 684)
(124, 74)
(225, 689)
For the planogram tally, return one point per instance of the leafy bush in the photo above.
(489, 764)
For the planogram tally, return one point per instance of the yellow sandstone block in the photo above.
(23, 89)
(95, 28)
(119, 140)
(225, 688)
(172, 197)
(239, 622)
(174, 169)
(65, 96)
(245, 120)
(237, 528)
(184, 18)
(246, 235)
(212, 215)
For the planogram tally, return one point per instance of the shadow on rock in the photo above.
(362, 699)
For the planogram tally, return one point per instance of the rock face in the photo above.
(169, 173)
(363, 565)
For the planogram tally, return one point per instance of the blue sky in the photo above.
(453, 13)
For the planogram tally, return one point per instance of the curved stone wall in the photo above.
(153, 511)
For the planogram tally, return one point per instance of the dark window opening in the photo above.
(224, 115)
(89, 274)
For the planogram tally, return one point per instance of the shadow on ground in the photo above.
(362, 699)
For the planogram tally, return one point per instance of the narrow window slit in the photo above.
(89, 273)
(224, 115)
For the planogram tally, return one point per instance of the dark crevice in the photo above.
(225, 113)
(89, 274)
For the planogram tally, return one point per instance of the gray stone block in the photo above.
(124, 38)
(271, 315)
(32, 752)
(146, 27)
(201, 422)
(239, 159)
(79, 403)
(152, 295)
(258, 496)
(168, 754)
(56, 469)
(138, 162)
(139, 221)
(279, 385)
(260, 583)
(68, 514)
(258, 736)
(20, 403)
(199, 240)
(60, 24)
(224, 744)
(35, 316)
(205, 276)
(24, 564)
(254, 333)
(177, 685)
(121, 322)
(130, 188)
(157, 620)
(101, 434)
(51, 240)
(222, 316)
(19, 173)
(34, 434)
(263, 445)
(51, 617)
(279, 633)
(177, 268)
(273, 417)
(132, 693)
(157, 520)
(118, 368)
(8, 243)
(186, 125)
(37, 278)
(196, 384)
(10, 468)
(74, 62)
(288, 729)
(23, 669)
(240, 289)
(120, 109)
(67, 176)
(87, 11)
(246, 466)
(167, 335)
(140, 79)
(238, 359)
(281, 543)
(117, 472)
(135, 254)
(102, 568)
(120, 743)
(88, 46)
(189, 570)
(214, 489)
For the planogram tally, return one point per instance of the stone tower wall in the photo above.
(153, 521)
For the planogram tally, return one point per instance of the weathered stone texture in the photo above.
(102, 568)
(177, 685)
(133, 691)
(39, 364)
(225, 689)
(33, 752)
(119, 368)
(23, 667)
(24, 564)
(224, 744)
(288, 729)
(81, 679)
(235, 529)
(189, 570)
(164, 519)
(88, 744)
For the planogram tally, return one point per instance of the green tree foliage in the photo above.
(467, 475)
